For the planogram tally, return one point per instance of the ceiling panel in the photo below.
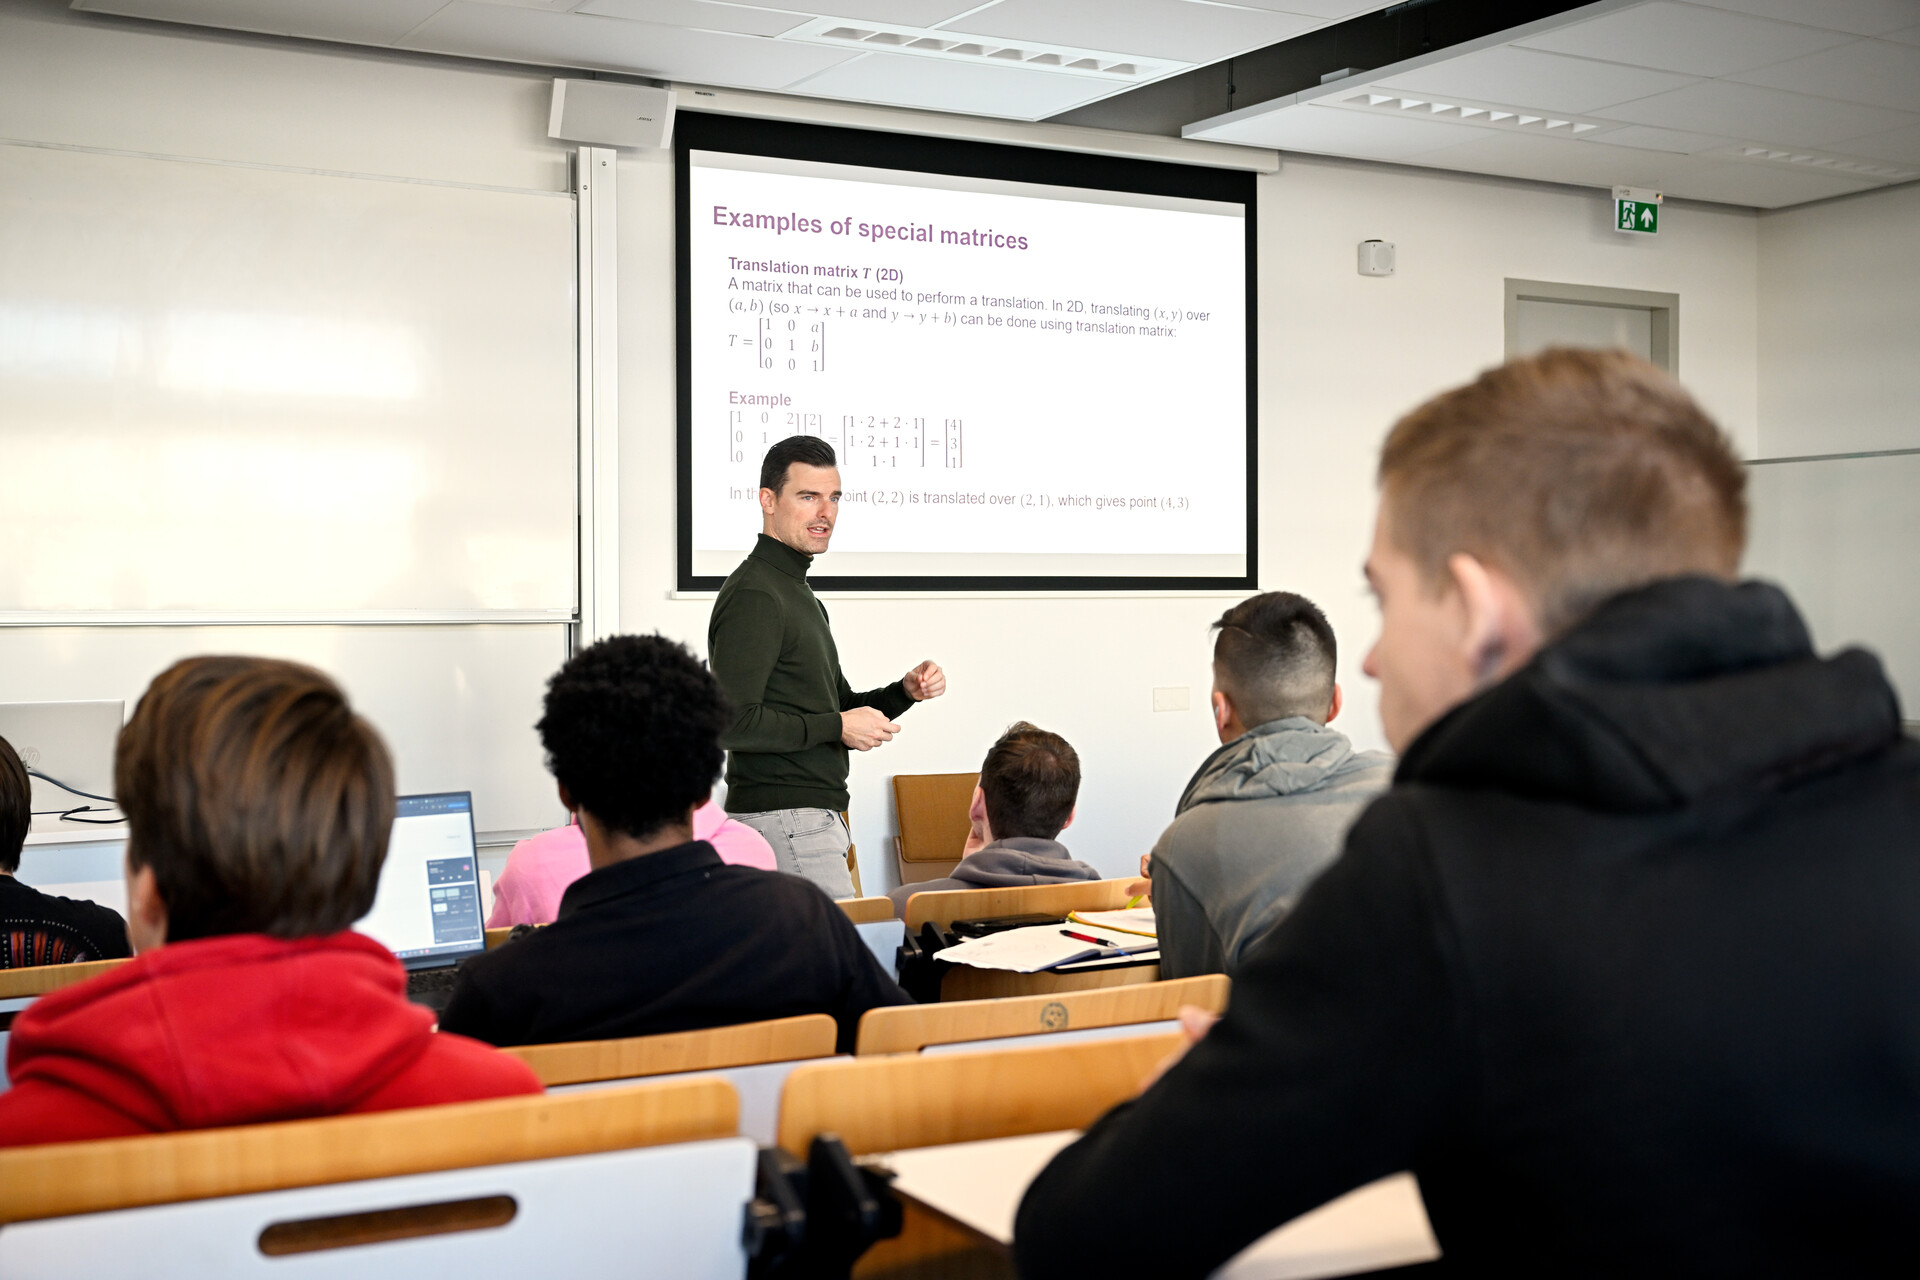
(1326, 10)
(1859, 17)
(1766, 186)
(1527, 78)
(906, 13)
(1333, 131)
(350, 21)
(1582, 163)
(1686, 37)
(1759, 114)
(1149, 28)
(612, 44)
(702, 15)
(933, 84)
(1901, 146)
(1879, 73)
(1652, 139)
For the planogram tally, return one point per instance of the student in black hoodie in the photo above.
(1625, 965)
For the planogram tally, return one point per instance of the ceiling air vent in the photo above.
(925, 42)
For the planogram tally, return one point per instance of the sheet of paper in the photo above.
(1129, 920)
(980, 1184)
(1034, 948)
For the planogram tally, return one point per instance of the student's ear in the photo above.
(146, 911)
(1498, 632)
(566, 797)
(977, 809)
(1222, 713)
(1069, 821)
(1338, 702)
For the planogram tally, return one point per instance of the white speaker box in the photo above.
(1376, 257)
(604, 114)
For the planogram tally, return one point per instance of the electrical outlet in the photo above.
(1172, 697)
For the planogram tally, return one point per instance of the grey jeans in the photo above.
(807, 842)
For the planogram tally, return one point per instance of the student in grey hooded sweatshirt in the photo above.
(1028, 784)
(1270, 809)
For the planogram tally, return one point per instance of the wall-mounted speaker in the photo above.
(605, 114)
(1376, 257)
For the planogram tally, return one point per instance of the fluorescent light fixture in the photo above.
(929, 42)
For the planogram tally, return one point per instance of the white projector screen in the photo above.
(1034, 367)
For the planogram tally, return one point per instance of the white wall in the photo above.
(1342, 356)
(1840, 325)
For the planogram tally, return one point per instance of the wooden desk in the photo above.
(976, 1187)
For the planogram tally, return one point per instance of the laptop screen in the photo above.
(427, 909)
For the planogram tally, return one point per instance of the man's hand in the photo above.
(863, 728)
(1195, 1022)
(925, 681)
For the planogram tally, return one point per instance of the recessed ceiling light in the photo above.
(927, 42)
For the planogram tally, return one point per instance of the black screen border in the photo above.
(831, 144)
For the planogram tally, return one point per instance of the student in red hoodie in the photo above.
(258, 808)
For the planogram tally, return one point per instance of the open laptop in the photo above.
(427, 909)
(71, 741)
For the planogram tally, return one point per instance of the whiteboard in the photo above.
(456, 704)
(234, 389)
(1839, 534)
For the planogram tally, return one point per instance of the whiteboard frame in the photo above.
(596, 610)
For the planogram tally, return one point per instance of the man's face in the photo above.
(802, 513)
(1422, 657)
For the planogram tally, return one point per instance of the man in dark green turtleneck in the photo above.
(794, 715)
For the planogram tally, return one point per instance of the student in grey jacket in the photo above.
(1269, 810)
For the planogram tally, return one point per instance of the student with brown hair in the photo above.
(1028, 784)
(40, 928)
(258, 809)
(1622, 967)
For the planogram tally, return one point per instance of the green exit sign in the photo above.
(1636, 211)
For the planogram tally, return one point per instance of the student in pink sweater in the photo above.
(540, 868)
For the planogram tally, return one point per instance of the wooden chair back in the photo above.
(66, 1178)
(904, 1100)
(908, 1028)
(948, 905)
(778, 1040)
(867, 910)
(931, 809)
(21, 984)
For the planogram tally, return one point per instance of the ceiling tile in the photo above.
(1649, 138)
(1757, 114)
(906, 13)
(612, 44)
(700, 15)
(1765, 186)
(349, 21)
(1199, 33)
(1336, 132)
(1685, 37)
(1897, 146)
(935, 84)
(1879, 73)
(1576, 161)
(1857, 17)
(1526, 78)
(1325, 10)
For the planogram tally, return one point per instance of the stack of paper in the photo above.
(1134, 920)
(1042, 946)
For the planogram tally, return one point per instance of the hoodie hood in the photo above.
(318, 1023)
(1667, 695)
(1022, 860)
(1278, 758)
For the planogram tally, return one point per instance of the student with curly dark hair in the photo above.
(660, 935)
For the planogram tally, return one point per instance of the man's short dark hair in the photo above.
(1275, 657)
(259, 799)
(16, 807)
(632, 731)
(1031, 779)
(811, 450)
